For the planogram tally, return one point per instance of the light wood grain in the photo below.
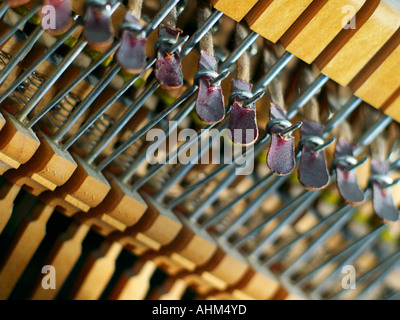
(188, 251)
(393, 108)
(222, 272)
(236, 9)
(121, 209)
(23, 247)
(345, 57)
(378, 80)
(17, 144)
(8, 194)
(134, 284)
(84, 190)
(97, 272)
(319, 24)
(157, 228)
(256, 286)
(49, 168)
(272, 18)
(172, 289)
(63, 258)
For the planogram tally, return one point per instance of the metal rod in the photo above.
(371, 272)
(137, 135)
(257, 185)
(125, 177)
(305, 97)
(371, 133)
(183, 170)
(343, 113)
(378, 280)
(37, 62)
(85, 104)
(253, 99)
(343, 215)
(243, 217)
(148, 92)
(321, 239)
(236, 54)
(68, 59)
(356, 249)
(358, 164)
(260, 144)
(199, 34)
(258, 88)
(273, 72)
(21, 22)
(160, 16)
(140, 182)
(121, 122)
(228, 232)
(294, 209)
(291, 129)
(3, 8)
(83, 74)
(221, 77)
(28, 44)
(228, 179)
(325, 145)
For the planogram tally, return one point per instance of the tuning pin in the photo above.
(382, 198)
(131, 54)
(98, 30)
(242, 127)
(313, 172)
(62, 17)
(346, 177)
(281, 157)
(210, 106)
(168, 70)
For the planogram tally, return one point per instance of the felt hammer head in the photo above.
(210, 105)
(242, 127)
(281, 155)
(168, 70)
(98, 30)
